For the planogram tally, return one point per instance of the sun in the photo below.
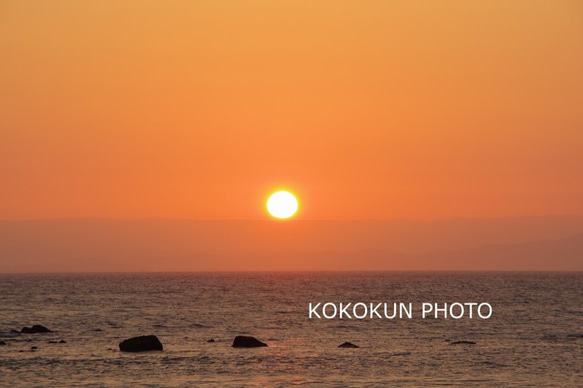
(282, 204)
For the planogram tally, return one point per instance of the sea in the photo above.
(533, 337)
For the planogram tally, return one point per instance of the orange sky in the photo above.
(366, 109)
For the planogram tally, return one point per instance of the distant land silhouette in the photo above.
(107, 245)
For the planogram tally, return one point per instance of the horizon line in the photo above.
(293, 271)
(269, 219)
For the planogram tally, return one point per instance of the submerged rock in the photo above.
(141, 344)
(463, 343)
(35, 329)
(348, 345)
(211, 340)
(2, 343)
(242, 341)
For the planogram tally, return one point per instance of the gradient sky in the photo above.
(366, 109)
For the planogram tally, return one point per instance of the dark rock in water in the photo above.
(242, 341)
(2, 343)
(463, 343)
(33, 348)
(53, 342)
(35, 329)
(348, 345)
(211, 340)
(141, 344)
(62, 342)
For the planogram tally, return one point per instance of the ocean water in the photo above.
(533, 338)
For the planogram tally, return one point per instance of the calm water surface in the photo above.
(534, 337)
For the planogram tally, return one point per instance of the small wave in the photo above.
(199, 326)
(462, 342)
(401, 354)
(562, 337)
(9, 334)
(575, 312)
(494, 364)
(550, 337)
(351, 327)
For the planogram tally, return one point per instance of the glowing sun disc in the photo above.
(282, 204)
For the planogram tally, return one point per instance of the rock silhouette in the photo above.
(2, 343)
(242, 341)
(348, 345)
(35, 329)
(141, 344)
(211, 340)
